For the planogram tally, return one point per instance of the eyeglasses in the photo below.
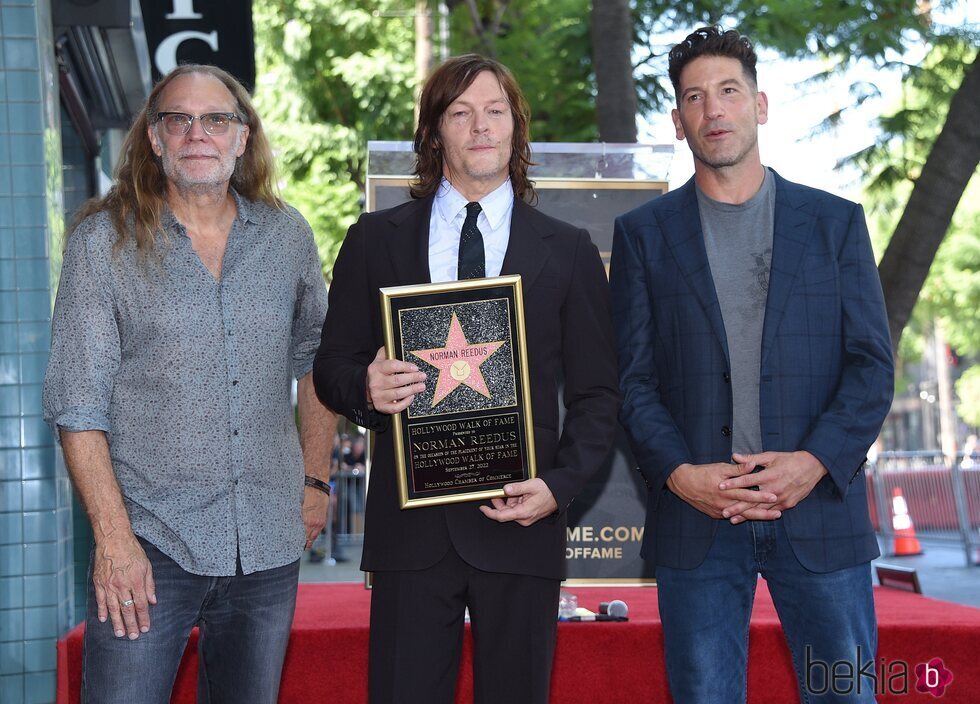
(214, 123)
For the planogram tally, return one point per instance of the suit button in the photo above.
(727, 377)
(726, 431)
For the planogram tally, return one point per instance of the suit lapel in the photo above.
(791, 229)
(682, 229)
(526, 251)
(408, 246)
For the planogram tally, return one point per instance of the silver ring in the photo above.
(128, 602)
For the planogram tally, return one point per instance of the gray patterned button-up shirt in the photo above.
(191, 378)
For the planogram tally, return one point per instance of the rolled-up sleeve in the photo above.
(311, 307)
(85, 348)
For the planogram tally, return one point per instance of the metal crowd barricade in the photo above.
(943, 497)
(350, 506)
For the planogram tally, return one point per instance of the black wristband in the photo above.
(317, 484)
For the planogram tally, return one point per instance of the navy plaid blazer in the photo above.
(826, 377)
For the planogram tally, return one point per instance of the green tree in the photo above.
(940, 149)
(843, 32)
(895, 164)
(335, 73)
(968, 391)
(547, 44)
(612, 54)
(332, 74)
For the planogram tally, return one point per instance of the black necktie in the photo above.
(472, 263)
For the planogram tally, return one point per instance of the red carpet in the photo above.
(598, 663)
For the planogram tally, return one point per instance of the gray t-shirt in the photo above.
(738, 240)
(190, 379)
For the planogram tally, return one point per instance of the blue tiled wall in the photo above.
(79, 177)
(35, 499)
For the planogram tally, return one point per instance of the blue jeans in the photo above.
(244, 620)
(827, 619)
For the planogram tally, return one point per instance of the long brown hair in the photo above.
(446, 84)
(136, 200)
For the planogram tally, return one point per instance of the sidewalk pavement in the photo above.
(943, 572)
(347, 570)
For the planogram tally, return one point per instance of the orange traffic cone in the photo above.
(905, 541)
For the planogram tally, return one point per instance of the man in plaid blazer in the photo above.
(756, 370)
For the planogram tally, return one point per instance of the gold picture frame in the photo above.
(471, 431)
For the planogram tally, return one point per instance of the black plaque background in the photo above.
(425, 476)
(478, 320)
(514, 471)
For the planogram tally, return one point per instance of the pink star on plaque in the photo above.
(458, 362)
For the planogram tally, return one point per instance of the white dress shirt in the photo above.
(446, 222)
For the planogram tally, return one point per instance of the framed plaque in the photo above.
(470, 432)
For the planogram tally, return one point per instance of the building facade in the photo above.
(70, 74)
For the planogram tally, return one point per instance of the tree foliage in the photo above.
(908, 131)
(928, 152)
(880, 32)
(894, 162)
(843, 31)
(547, 45)
(335, 73)
(968, 391)
(332, 74)
(612, 55)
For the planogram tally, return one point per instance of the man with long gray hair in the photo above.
(190, 297)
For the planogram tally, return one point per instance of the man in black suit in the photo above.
(503, 559)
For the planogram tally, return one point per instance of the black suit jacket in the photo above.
(569, 339)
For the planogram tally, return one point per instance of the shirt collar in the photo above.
(245, 207)
(169, 222)
(449, 203)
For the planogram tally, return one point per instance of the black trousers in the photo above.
(417, 634)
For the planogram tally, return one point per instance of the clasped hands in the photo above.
(735, 493)
(391, 388)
